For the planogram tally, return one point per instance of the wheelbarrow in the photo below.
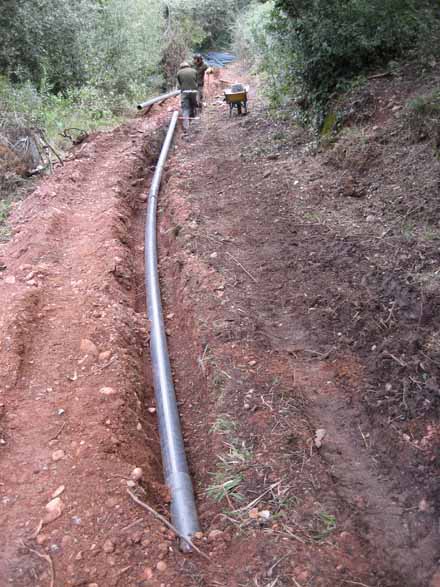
(236, 97)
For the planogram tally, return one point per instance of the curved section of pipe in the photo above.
(183, 509)
(160, 98)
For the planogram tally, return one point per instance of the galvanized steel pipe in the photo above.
(160, 98)
(183, 509)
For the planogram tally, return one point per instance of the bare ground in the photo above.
(297, 300)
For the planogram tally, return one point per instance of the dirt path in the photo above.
(72, 365)
(272, 372)
(252, 290)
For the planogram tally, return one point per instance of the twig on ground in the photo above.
(379, 75)
(313, 352)
(398, 361)
(202, 359)
(354, 583)
(45, 557)
(289, 532)
(257, 500)
(49, 146)
(167, 524)
(276, 563)
(58, 433)
(429, 358)
(240, 265)
(37, 531)
(363, 437)
(135, 523)
(296, 582)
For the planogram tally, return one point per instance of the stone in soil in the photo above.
(54, 510)
(88, 347)
(108, 546)
(58, 455)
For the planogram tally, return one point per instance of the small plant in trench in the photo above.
(5, 209)
(218, 379)
(228, 476)
(223, 425)
(282, 505)
(225, 487)
(423, 117)
(238, 454)
(311, 217)
(324, 525)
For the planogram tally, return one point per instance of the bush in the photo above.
(86, 108)
(251, 35)
(124, 46)
(320, 44)
(423, 118)
(39, 41)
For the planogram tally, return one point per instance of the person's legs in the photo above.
(194, 104)
(186, 109)
(200, 97)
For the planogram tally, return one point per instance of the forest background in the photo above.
(82, 64)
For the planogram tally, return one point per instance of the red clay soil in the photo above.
(299, 480)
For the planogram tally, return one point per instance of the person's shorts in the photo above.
(188, 101)
(200, 92)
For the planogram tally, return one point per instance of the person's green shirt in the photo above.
(201, 70)
(187, 78)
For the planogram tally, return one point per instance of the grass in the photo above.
(228, 477)
(15, 193)
(223, 425)
(325, 524)
(311, 217)
(5, 210)
(237, 454)
(87, 108)
(218, 379)
(423, 116)
(225, 487)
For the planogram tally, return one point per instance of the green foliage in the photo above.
(21, 106)
(423, 118)
(39, 41)
(114, 45)
(212, 20)
(251, 35)
(5, 210)
(76, 64)
(325, 524)
(124, 46)
(314, 48)
(225, 487)
(195, 25)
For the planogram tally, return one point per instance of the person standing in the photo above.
(187, 81)
(201, 68)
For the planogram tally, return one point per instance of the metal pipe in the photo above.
(183, 509)
(160, 98)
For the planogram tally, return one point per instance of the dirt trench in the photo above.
(263, 365)
(294, 477)
(75, 384)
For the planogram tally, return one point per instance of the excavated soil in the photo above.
(301, 319)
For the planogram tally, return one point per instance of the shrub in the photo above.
(39, 41)
(423, 118)
(251, 35)
(320, 44)
(124, 46)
